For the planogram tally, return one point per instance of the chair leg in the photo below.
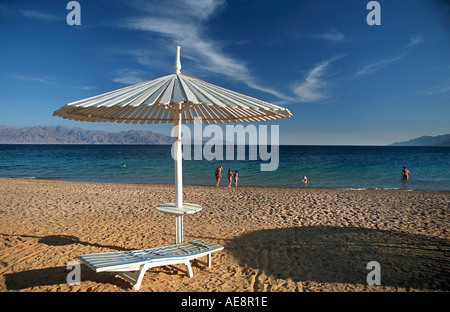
(134, 277)
(189, 267)
(142, 271)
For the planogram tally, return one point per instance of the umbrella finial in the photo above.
(178, 62)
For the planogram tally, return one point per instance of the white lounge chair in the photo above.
(132, 265)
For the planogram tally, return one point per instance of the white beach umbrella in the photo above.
(177, 98)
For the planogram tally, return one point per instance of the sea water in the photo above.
(337, 167)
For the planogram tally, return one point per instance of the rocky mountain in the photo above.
(440, 140)
(63, 135)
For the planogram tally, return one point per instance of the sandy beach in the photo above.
(275, 239)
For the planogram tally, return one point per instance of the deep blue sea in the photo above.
(337, 167)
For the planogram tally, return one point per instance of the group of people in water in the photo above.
(230, 175)
(405, 176)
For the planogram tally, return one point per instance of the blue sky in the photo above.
(344, 81)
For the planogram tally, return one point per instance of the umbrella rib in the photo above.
(146, 94)
(201, 98)
(105, 112)
(234, 97)
(156, 93)
(238, 113)
(122, 116)
(77, 116)
(190, 96)
(153, 85)
(140, 110)
(112, 112)
(189, 113)
(128, 98)
(247, 115)
(158, 118)
(82, 111)
(104, 94)
(213, 115)
(144, 115)
(233, 116)
(219, 111)
(154, 112)
(168, 93)
(115, 98)
(248, 99)
(231, 102)
(145, 118)
(244, 101)
(178, 94)
(196, 110)
(63, 112)
(212, 99)
(209, 86)
(166, 116)
(204, 113)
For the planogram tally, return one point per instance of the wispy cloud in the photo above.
(332, 35)
(40, 15)
(86, 87)
(130, 76)
(378, 65)
(189, 30)
(315, 86)
(375, 66)
(42, 79)
(439, 89)
(414, 40)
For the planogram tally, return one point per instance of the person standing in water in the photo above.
(230, 177)
(236, 178)
(405, 174)
(218, 175)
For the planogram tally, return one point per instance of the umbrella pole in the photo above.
(178, 176)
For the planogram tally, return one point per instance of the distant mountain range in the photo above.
(63, 135)
(440, 140)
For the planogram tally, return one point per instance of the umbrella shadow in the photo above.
(64, 240)
(327, 254)
(57, 275)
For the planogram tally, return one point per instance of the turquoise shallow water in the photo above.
(341, 167)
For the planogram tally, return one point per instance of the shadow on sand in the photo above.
(63, 240)
(329, 254)
(58, 275)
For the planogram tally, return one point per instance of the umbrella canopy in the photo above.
(177, 98)
(156, 101)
